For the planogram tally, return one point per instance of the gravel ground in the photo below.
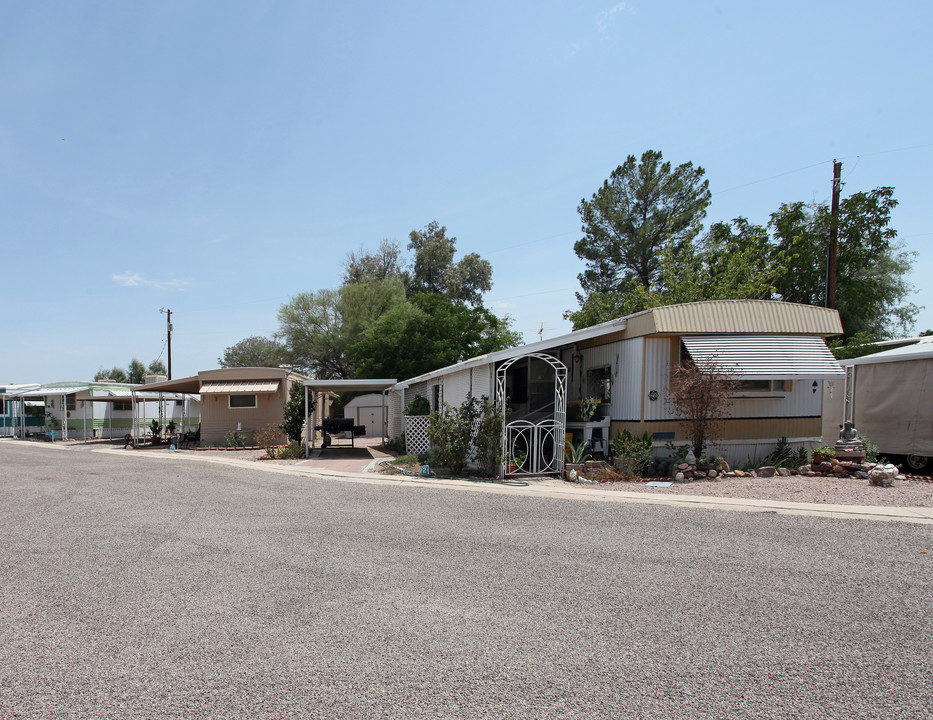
(841, 491)
(912, 492)
(159, 587)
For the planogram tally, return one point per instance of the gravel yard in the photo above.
(797, 488)
(913, 492)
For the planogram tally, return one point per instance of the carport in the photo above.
(313, 387)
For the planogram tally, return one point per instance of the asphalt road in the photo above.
(132, 587)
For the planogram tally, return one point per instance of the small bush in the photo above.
(235, 439)
(871, 450)
(292, 451)
(632, 453)
(419, 405)
(268, 438)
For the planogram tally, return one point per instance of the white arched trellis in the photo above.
(544, 440)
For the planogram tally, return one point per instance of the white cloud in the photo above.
(603, 22)
(133, 279)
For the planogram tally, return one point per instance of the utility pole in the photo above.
(168, 330)
(832, 259)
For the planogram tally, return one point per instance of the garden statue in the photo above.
(849, 446)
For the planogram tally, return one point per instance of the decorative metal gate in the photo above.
(534, 448)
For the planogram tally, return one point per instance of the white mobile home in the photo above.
(79, 410)
(776, 350)
(888, 396)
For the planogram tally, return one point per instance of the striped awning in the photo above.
(240, 386)
(764, 357)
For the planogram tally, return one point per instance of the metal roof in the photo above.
(709, 316)
(357, 384)
(595, 331)
(738, 316)
(240, 386)
(46, 390)
(763, 357)
(920, 350)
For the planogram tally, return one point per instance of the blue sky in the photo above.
(216, 158)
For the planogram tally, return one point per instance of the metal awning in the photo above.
(45, 391)
(764, 357)
(355, 385)
(240, 386)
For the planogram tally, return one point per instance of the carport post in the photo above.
(307, 433)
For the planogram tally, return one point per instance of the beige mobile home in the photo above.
(776, 350)
(240, 400)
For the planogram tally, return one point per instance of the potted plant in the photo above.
(588, 408)
(823, 454)
(575, 457)
(156, 431)
(515, 461)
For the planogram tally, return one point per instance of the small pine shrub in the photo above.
(235, 439)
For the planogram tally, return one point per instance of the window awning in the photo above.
(240, 386)
(764, 357)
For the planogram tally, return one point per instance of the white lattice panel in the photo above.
(416, 435)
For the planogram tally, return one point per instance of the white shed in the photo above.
(368, 410)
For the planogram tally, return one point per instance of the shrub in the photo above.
(419, 405)
(871, 450)
(294, 414)
(632, 453)
(451, 430)
(155, 429)
(784, 455)
(292, 451)
(235, 439)
(268, 438)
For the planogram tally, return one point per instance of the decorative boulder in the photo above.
(882, 475)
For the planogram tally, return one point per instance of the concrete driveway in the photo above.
(143, 587)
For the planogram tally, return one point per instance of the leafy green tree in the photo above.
(311, 329)
(254, 351)
(643, 205)
(434, 269)
(733, 260)
(136, 372)
(157, 367)
(384, 263)
(117, 374)
(362, 303)
(429, 332)
(872, 265)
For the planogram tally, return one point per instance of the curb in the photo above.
(917, 515)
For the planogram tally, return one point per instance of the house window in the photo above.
(242, 401)
(763, 387)
(70, 402)
(599, 383)
(436, 395)
(123, 406)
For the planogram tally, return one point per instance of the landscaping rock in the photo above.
(785, 472)
(766, 471)
(679, 477)
(883, 475)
